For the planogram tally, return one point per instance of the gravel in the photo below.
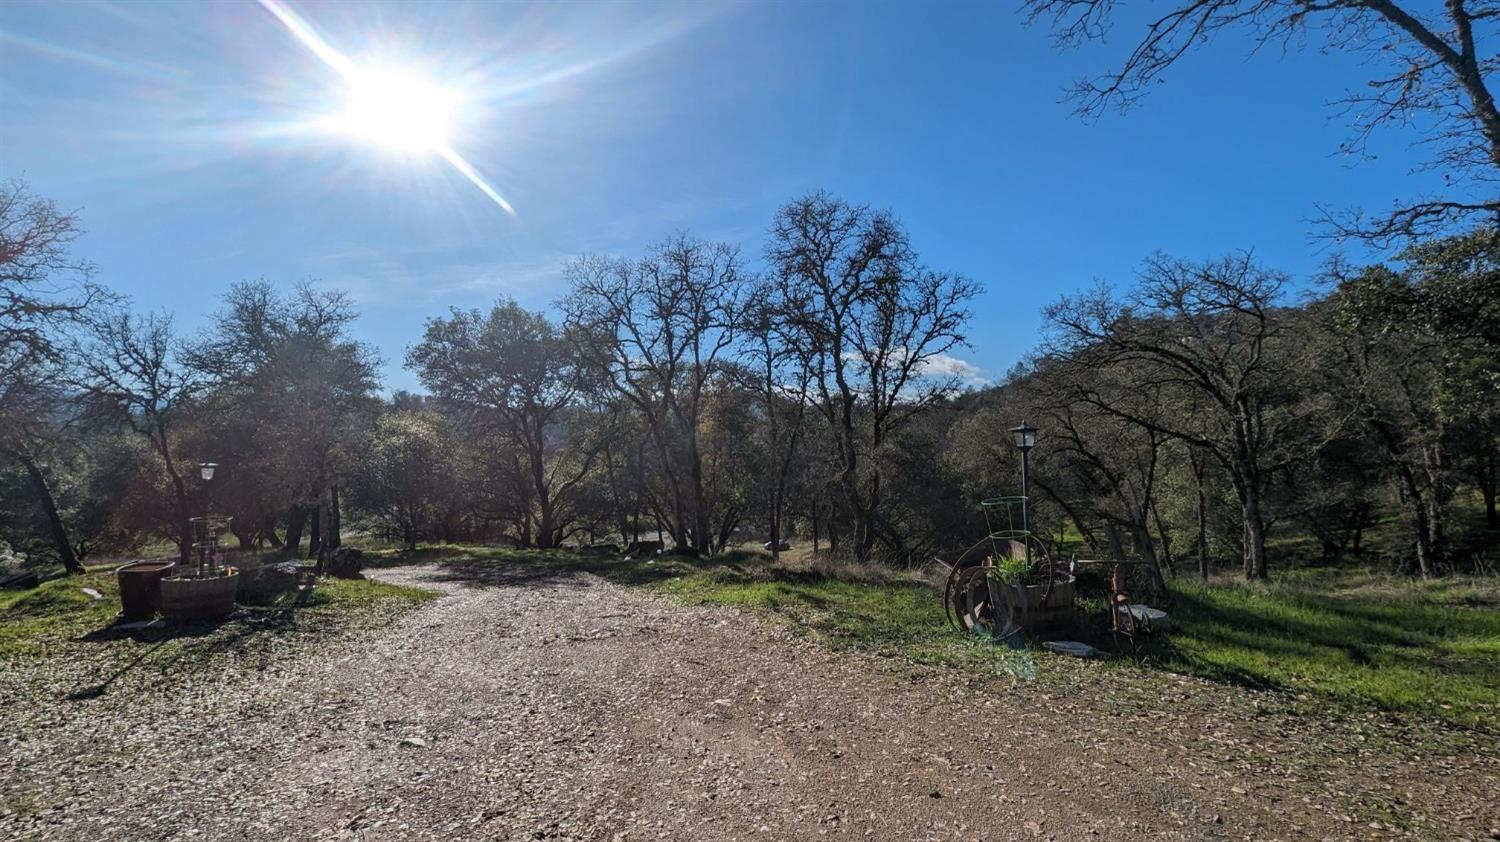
(526, 704)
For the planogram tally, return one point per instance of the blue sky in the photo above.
(179, 132)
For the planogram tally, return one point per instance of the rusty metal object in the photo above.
(953, 606)
(1123, 621)
(970, 605)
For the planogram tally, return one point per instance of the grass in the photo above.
(35, 621)
(1352, 639)
(1431, 648)
(59, 619)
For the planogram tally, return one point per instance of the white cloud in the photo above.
(967, 373)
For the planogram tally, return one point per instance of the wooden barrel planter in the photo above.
(189, 600)
(140, 587)
(1031, 607)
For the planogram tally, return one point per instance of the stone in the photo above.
(345, 563)
(1071, 647)
(1155, 618)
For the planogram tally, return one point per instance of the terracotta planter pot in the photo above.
(188, 600)
(140, 587)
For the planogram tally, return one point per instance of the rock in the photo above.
(345, 563)
(414, 742)
(1071, 647)
(269, 583)
(1156, 618)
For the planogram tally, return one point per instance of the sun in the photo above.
(388, 105)
(398, 110)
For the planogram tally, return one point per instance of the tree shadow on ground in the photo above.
(201, 641)
(513, 568)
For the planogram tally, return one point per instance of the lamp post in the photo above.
(208, 550)
(1025, 440)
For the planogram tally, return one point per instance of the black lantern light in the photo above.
(1025, 436)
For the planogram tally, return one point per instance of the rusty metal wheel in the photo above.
(969, 559)
(976, 608)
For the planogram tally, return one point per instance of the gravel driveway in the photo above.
(526, 704)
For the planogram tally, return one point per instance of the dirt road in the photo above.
(532, 705)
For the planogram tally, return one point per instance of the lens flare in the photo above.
(390, 107)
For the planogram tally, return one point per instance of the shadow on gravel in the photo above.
(201, 641)
(514, 568)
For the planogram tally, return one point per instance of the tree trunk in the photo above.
(329, 528)
(1424, 542)
(55, 524)
(1491, 513)
(702, 528)
(1146, 546)
(1166, 541)
(1255, 534)
(180, 496)
(296, 521)
(315, 536)
(333, 538)
(546, 528)
(268, 531)
(864, 520)
(775, 526)
(1488, 480)
(1417, 509)
(1202, 524)
(815, 526)
(244, 537)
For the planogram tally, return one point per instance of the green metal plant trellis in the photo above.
(1007, 520)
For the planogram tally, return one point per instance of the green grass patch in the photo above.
(33, 621)
(59, 616)
(343, 594)
(1431, 648)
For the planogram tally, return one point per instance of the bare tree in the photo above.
(657, 331)
(511, 372)
(1121, 461)
(779, 382)
(1209, 338)
(1433, 73)
(869, 323)
(131, 373)
(43, 292)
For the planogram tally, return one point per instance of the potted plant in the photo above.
(1022, 593)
